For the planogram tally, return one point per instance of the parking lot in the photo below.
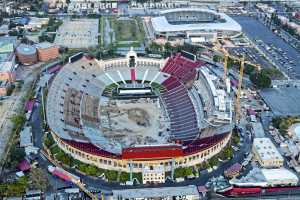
(79, 33)
(276, 49)
(251, 54)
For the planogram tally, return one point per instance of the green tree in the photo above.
(16, 155)
(124, 177)
(188, 171)
(18, 120)
(213, 161)
(91, 170)
(49, 141)
(260, 79)
(111, 175)
(39, 179)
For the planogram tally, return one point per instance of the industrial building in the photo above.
(267, 178)
(266, 153)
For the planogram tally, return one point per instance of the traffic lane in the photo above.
(37, 133)
(256, 30)
(251, 55)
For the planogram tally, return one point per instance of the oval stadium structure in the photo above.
(195, 24)
(127, 113)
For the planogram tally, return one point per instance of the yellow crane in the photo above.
(239, 90)
(241, 75)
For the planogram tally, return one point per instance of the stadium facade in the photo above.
(196, 24)
(185, 123)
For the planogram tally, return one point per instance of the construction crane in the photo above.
(241, 75)
(223, 52)
(238, 95)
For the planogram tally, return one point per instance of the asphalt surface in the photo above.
(251, 54)
(255, 31)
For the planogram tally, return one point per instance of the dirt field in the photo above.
(133, 122)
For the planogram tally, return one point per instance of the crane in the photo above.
(241, 75)
(238, 95)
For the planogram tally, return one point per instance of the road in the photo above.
(255, 31)
(6, 124)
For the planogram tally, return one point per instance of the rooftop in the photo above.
(26, 137)
(7, 44)
(161, 24)
(156, 192)
(265, 177)
(266, 149)
(44, 45)
(278, 174)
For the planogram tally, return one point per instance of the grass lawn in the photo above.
(128, 32)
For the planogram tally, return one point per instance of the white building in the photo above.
(266, 153)
(154, 174)
(279, 176)
(189, 192)
(91, 6)
(37, 23)
(195, 24)
(267, 178)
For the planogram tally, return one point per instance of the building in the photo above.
(153, 174)
(36, 23)
(266, 153)
(26, 54)
(280, 176)
(189, 192)
(4, 87)
(195, 24)
(47, 51)
(267, 178)
(294, 132)
(77, 113)
(7, 58)
(91, 6)
(56, 3)
(257, 129)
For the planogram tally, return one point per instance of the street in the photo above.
(276, 47)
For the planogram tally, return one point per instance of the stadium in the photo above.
(195, 24)
(131, 112)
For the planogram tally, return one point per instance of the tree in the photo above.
(39, 179)
(91, 170)
(111, 175)
(213, 161)
(18, 120)
(16, 155)
(124, 177)
(49, 141)
(188, 171)
(260, 79)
